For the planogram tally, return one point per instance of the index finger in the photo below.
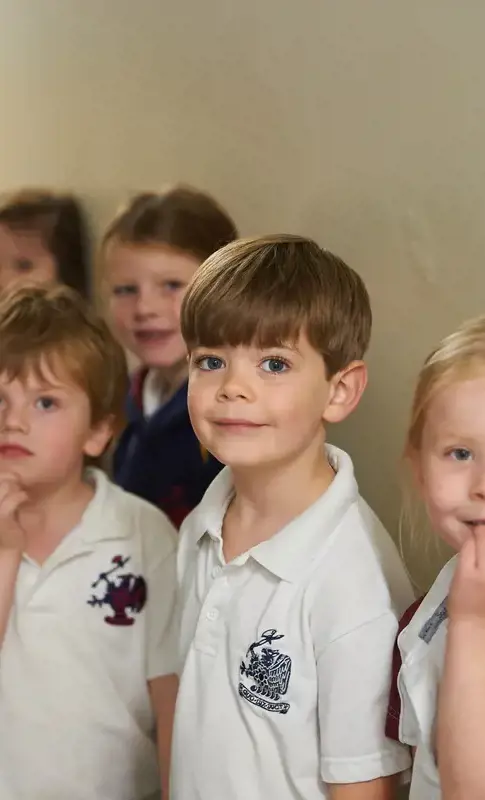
(479, 537)
(11, 476)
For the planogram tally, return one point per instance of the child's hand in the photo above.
(12, 497)
(466, 601)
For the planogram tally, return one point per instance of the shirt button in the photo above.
(216, 572)
(212, 614)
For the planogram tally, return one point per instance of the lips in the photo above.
(237, 423)
(14, 451)
(152, 336)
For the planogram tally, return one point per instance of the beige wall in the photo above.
(359, 123)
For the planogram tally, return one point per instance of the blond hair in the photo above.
(267, 290)
(458, 356)
(54, 326)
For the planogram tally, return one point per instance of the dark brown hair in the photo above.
(55, 326)
(59, 220)
(267, 290)
(180, 217)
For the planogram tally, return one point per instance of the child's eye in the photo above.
(460, 454)
(173, 286)
(274, 365)
(45, 403)
(124, 289)
(24, 264)
(209, 363)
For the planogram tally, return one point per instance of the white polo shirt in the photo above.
(286, 651)
(422, 645)
(87, 630)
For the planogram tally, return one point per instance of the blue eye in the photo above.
(173, 286)
(24, 265)
(210, 363)
(122, 290)
(461, 454)
(45, 403)
(274, 365)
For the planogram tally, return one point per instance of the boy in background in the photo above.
(150, 253)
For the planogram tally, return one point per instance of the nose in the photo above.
(478, 486)
(13, 417)
(146, 305)
(236, 384)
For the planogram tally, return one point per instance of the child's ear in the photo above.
(99, 438)
(346, 389)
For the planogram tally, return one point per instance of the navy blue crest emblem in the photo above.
(265, 674)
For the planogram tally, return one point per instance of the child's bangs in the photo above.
(58, 363)
(259, 321)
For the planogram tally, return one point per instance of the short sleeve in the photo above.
(160, 541)
(354, 675)
(393, 721)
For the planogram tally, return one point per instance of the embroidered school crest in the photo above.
(268, 671)
(123, 591)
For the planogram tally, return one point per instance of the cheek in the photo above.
(442, 491)
(195, 396)
(176, 305)
(202, 396)
(121, 311)
(300, 404)
(48, 269)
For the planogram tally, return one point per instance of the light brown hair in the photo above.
(267, 290)
(54, 326)
(459, 356)
(180, 217)
(59, 221)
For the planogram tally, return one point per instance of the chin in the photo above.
(236, 458)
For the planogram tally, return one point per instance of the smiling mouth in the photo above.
(474, 523)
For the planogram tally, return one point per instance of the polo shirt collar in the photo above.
(290, 552)
(103, 518)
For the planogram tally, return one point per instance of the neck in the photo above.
(51, 512)
(279, 494)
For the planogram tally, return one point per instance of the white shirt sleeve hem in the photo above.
(368, 768)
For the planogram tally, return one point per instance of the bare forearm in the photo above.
(9, 566)
(163, 692)
(461, 714)
(380, 789)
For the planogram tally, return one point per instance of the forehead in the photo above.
(299, 345)
(144, 260)
(458, 409)
(20, 242)
(41, 374)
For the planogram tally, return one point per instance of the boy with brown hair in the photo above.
(86, 570)
(150, 253)
(290, 588)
